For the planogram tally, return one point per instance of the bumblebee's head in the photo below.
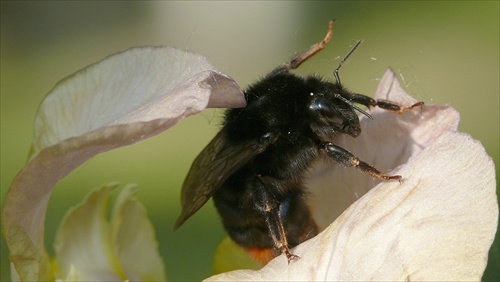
(337, 112)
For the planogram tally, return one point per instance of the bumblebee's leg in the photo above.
(269, 208)
(346, 158)
(302, 57)
(381, 103)
(395, 107)
(275, 225)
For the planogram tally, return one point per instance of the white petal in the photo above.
(437, 225)
(138, 85)
(123, 99)
(83, 245)
(134, 240)
(89, 247)
(386, 142)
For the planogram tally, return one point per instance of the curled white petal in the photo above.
(118, 101)
(138, 85)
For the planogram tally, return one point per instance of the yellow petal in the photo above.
(229, 256)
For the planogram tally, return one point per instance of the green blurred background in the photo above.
(443, 52)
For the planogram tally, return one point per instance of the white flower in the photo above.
(437, 225)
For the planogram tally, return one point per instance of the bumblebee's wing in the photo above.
(210, 169)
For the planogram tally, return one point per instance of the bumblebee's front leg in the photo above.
(381, 103)
(269, 207)
(346, 158)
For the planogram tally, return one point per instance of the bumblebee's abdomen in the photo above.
(248, 228)
(242, 204)
(262, 255)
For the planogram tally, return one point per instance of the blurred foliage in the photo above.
(443, 52)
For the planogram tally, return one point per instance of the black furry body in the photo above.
(278, 116)
(254, 167)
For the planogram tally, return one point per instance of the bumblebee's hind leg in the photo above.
(346, 158)
(268, 206)
(302, 57)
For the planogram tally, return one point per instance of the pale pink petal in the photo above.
(83, 245)
(91, 247)
(135, 241)
(437, 225)
(118, 101)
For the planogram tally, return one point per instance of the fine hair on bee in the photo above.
(254, 167)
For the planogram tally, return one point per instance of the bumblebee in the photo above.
(254, 167)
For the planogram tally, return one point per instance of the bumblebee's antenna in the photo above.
(336, 72)
(338, 96)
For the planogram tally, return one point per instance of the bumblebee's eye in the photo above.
(338, 113)
(321, 105)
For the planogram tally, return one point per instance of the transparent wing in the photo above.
(210, 169)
